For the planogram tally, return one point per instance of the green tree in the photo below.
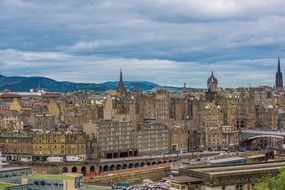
(272, 183)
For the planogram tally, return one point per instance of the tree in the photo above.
(272, 183)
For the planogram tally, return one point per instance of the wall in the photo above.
(131, 177)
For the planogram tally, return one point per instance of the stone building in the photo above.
(229, 109)
(239, 177)
(266, 117)
(15, 146)
(126, 139)
(162, 105)
(11, 121)
(53, 108)
(246, 110)
(180, 108)
(213, 121)
(47, 143)
(179, 139)
(152, 138)
(116, 139)
(147, 106)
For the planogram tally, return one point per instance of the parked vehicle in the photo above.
(75, 158)
(120, 185)
(26, 159)
(55, 159)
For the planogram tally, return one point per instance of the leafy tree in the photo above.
(272, 183)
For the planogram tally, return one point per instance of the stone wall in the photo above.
(132, 177)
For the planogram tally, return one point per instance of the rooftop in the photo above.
(231, 159)
(13, 168)
(240, 168)
(183, 179)
(52, 177)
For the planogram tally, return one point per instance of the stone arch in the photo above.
(159, 162)
(170, 161)
(105, 168)
(175, 161)
(153, 163)
(118, 167)
(92, 168)
(142, 164)
(174, 147)
(64, 170)
(112, 167)
(148, 164)
(131, 165)
(125, 166)
(74, 169)
(83, 170)
(164, 162)
(137, 165)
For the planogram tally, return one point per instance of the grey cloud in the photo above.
(69, 67)
(183, 39)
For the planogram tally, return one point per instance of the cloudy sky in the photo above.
(165, 41)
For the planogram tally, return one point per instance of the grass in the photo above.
(4, 185)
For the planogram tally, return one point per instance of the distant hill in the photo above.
(22, 84)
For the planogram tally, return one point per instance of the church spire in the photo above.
(279, 78)
(121, 75)
(121, 87)
(279, 69)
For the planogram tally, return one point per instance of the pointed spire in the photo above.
(278, 78)
(279, 68)
(121, 75)
(121, 87)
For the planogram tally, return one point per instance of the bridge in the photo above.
(141, 161)
(263, 139)
(108, 165)
(247, 135)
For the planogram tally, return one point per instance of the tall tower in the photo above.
(121, 88)
(279, 78)
(212, 83)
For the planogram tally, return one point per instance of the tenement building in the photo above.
(179, 139)
(152, 137)
(58, 143)
(116, 139)
(126, 139)
(16, 145)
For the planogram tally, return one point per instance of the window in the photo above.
(239, 187)
(223, 188)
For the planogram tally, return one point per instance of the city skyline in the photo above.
(90, 41)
